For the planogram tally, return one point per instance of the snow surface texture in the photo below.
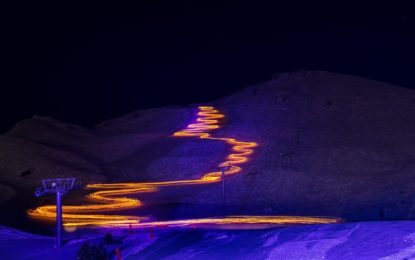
(351, 145)
(362, 240)
(350, 139)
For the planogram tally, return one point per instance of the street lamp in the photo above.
(223, 167)
(60, 187)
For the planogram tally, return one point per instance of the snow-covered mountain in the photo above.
(329, 144)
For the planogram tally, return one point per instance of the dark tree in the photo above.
(108, 239)
(92, 252)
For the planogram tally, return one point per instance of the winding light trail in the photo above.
(109, 197)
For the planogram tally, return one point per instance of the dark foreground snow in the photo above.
(360, 240)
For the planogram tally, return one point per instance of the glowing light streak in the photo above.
(109, 198)
(233, 220)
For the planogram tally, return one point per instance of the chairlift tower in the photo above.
(60, 187)
(223, 167)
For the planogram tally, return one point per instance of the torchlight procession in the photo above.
(110, 196)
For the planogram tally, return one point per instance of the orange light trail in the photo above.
(109, 196)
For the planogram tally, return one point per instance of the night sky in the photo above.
(84, 63)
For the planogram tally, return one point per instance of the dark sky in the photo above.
(83, 63)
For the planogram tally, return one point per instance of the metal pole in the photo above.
(58, 219)
(223, 191)
(59, 187)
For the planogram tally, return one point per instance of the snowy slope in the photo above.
(361, 240)
(351, 141)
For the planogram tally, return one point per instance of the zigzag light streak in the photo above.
(109, 197)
